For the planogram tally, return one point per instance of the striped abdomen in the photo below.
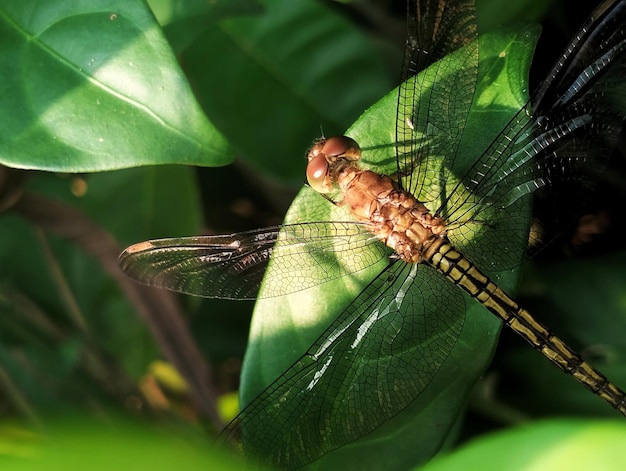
(464, 274)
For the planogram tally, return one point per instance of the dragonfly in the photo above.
(409, 224)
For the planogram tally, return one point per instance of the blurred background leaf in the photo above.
(73, 444)
(276, 93)
(546, 445)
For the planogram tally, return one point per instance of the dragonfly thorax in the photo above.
(396, 217)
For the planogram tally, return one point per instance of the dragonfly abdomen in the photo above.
(465, 275)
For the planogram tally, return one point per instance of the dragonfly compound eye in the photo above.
(342, 146)
(317, 173)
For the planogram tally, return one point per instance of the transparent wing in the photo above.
(233, 266)
(377, 357)
(431, 118)
(576, 118)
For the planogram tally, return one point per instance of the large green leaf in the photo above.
(284, 327)
(546, 446)
(94, 86)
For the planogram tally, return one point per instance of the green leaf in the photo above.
(78, 444)
(184, 21)
(562, 444)
(283, 328)
(88, 87)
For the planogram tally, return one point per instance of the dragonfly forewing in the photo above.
(233, 266)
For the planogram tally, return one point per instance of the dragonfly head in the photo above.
(324, 156)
